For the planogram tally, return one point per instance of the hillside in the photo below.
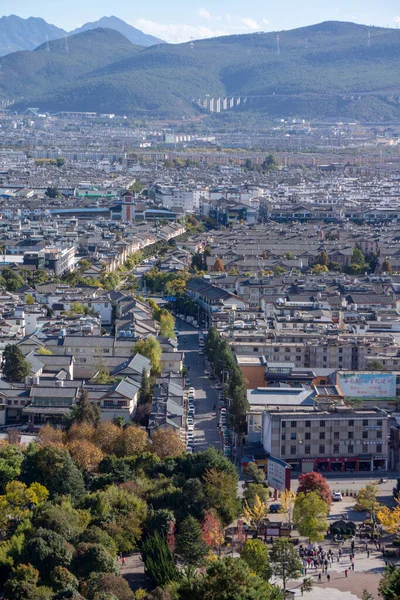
(25, 34)
(134, 35)
(322, 70)
(26, 75)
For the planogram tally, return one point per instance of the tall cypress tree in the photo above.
(158, 560)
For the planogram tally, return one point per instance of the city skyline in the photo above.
(180, 21)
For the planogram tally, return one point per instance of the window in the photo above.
(365, 435)
(307, 435)
(307, 449)
(322, 423)
(351, 423)
(351, 435)
(379, 448)
(293, 423)
(292, 436)
(276, 349)
(322, 435)
(365, 422)
(321, 449)
(350, 449)
(283, 424)
(292, 450)
(379, 434)
(282, 450)
(335, 448)
(365, 448)
(255, 349)
(336, 435)
(308, 423)
(283, 437)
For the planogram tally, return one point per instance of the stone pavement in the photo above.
(366, 575)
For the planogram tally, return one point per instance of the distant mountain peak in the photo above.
(25, 34)
(137, 37)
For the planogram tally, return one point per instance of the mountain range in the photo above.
(327, 70)
(27, 34)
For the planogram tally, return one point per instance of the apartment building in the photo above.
(343, 439)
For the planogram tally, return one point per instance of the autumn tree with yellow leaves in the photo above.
(288, 499)
(255, 516)
(390, 518)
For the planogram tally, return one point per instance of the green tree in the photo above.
(375, 365)
(167, 324)
(252, 491)
(251, 471)
(389, 586)
(285, 561)
(15, 366)
(108, 584)
(158, 560)
(190, 546)
(256, 555)
(270, 163)
(47, 550)
(60, 161)
(92, 558)
(11, 459)
(52, 192)
(83, 411)
(54, 468)
(366, 499)
(289, 256)
(357, 257)
(22, 585)
(62, 579)
(145, 393)
(310, 516)
(151, 349)
(29, 299)
(221, 494)
(228, 579)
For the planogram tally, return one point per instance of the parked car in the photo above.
(218, 386)
(275, 508)
(337, 496)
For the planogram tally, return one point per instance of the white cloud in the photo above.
(181, 32)
(250, 23)
(397, 20)
(265, 21)
(204, 14)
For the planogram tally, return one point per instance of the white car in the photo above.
(337, 496)
(191, 427)
(206, 372)
(192, 390)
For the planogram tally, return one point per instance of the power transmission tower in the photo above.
(369, 39)
(66, 44)
(278, 44)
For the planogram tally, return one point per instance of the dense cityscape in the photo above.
(200, 348)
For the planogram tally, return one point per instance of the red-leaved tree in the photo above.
(315, 482)
(212, 531)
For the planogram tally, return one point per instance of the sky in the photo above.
(182, 20)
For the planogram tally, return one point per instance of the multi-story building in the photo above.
(332, 440)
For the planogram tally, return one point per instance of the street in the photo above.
(205, 422)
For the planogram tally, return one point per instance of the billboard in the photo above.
(278, 474)
(368, 385)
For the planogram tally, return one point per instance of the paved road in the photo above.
(205, 423)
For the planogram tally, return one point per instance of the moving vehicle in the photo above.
(275, 508)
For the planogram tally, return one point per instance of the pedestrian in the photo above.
(305, 570)
(352, 566)
(367, 553)
(340, 551)
(123, 560)
(328, 578)
(338, 557)
(302, 590)
(345, 572)
(319, 577)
